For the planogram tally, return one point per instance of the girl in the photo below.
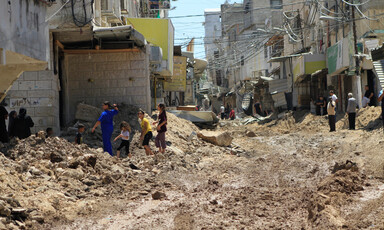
(106, 122)
(146, 132)
(161, 128)
(125, 131)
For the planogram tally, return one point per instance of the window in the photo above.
(276, 4)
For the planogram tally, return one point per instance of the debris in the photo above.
(159, 195)
(223, 139)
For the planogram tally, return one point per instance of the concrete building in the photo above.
(212, 40)
(90, 59)
(24, 47)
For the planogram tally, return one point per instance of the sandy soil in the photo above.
(287, 174)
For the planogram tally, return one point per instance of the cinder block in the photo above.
(139, 99)
(30, 76)
(26, 85)
(17, 94)
(42, 93)
(46, 75)
(139, 82)
(138, 65)
(39, 85)
(45, 111)
(73, 85)
(97, 57)
(15, 86)
(116, 57)
(124, 83)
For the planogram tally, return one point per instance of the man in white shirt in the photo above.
(222, 112)
(333, 95)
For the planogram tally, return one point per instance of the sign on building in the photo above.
(178, 81)
(159, 5)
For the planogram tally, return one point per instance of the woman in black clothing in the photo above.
(3, 129)
(22, 125)
(12, 117)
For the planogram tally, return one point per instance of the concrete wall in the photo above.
(23, 28)
(117, 77)
(38, 92)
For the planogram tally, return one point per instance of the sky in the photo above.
(190, 27)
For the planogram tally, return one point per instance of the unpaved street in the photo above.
(280, 179)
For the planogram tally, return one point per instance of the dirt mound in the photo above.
(343, 181)
(366, 118)
(178, 134)
(332, 193)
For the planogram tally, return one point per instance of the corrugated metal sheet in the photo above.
(279, 99)
(279, 85)
(379, 69)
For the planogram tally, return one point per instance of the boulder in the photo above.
(86, 112)
(250, 134)
(223, 139)
(158, 195)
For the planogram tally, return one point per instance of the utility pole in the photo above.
(357, 70)
(301, 28)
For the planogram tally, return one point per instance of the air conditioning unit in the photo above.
(156, 55)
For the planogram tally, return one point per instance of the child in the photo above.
(125, 130)
(79, 134)
(161, 128)
(146, 132)
(49, 132)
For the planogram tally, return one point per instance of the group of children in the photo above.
(146, 133)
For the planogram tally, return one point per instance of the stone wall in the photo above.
(117, 77)
(38, 92)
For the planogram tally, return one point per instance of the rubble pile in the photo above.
(46, 179)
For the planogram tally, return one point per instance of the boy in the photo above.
(79, 134)
(49, 132)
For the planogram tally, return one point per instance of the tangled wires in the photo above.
(85, 20)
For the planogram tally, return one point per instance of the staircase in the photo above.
(379, 69)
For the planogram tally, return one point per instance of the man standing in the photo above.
(331, 114)
(333, 96)
(381, 96)
(367, 96)
(351, 110)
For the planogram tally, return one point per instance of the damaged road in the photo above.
(286, 174)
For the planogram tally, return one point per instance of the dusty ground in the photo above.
(281, 175)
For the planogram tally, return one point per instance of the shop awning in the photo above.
(306, 65)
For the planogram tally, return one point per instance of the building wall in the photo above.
(117, 77)
(23, 28)
(38, 92)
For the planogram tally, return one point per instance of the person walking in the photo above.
(146, 132)
(106, 122)
(124, 135)
(331, 114)
(161, 128)
(3, 128)
(22, 125)
(367, 96)
(351, 110)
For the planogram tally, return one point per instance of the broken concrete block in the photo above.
(217, 138)
(87, 113)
